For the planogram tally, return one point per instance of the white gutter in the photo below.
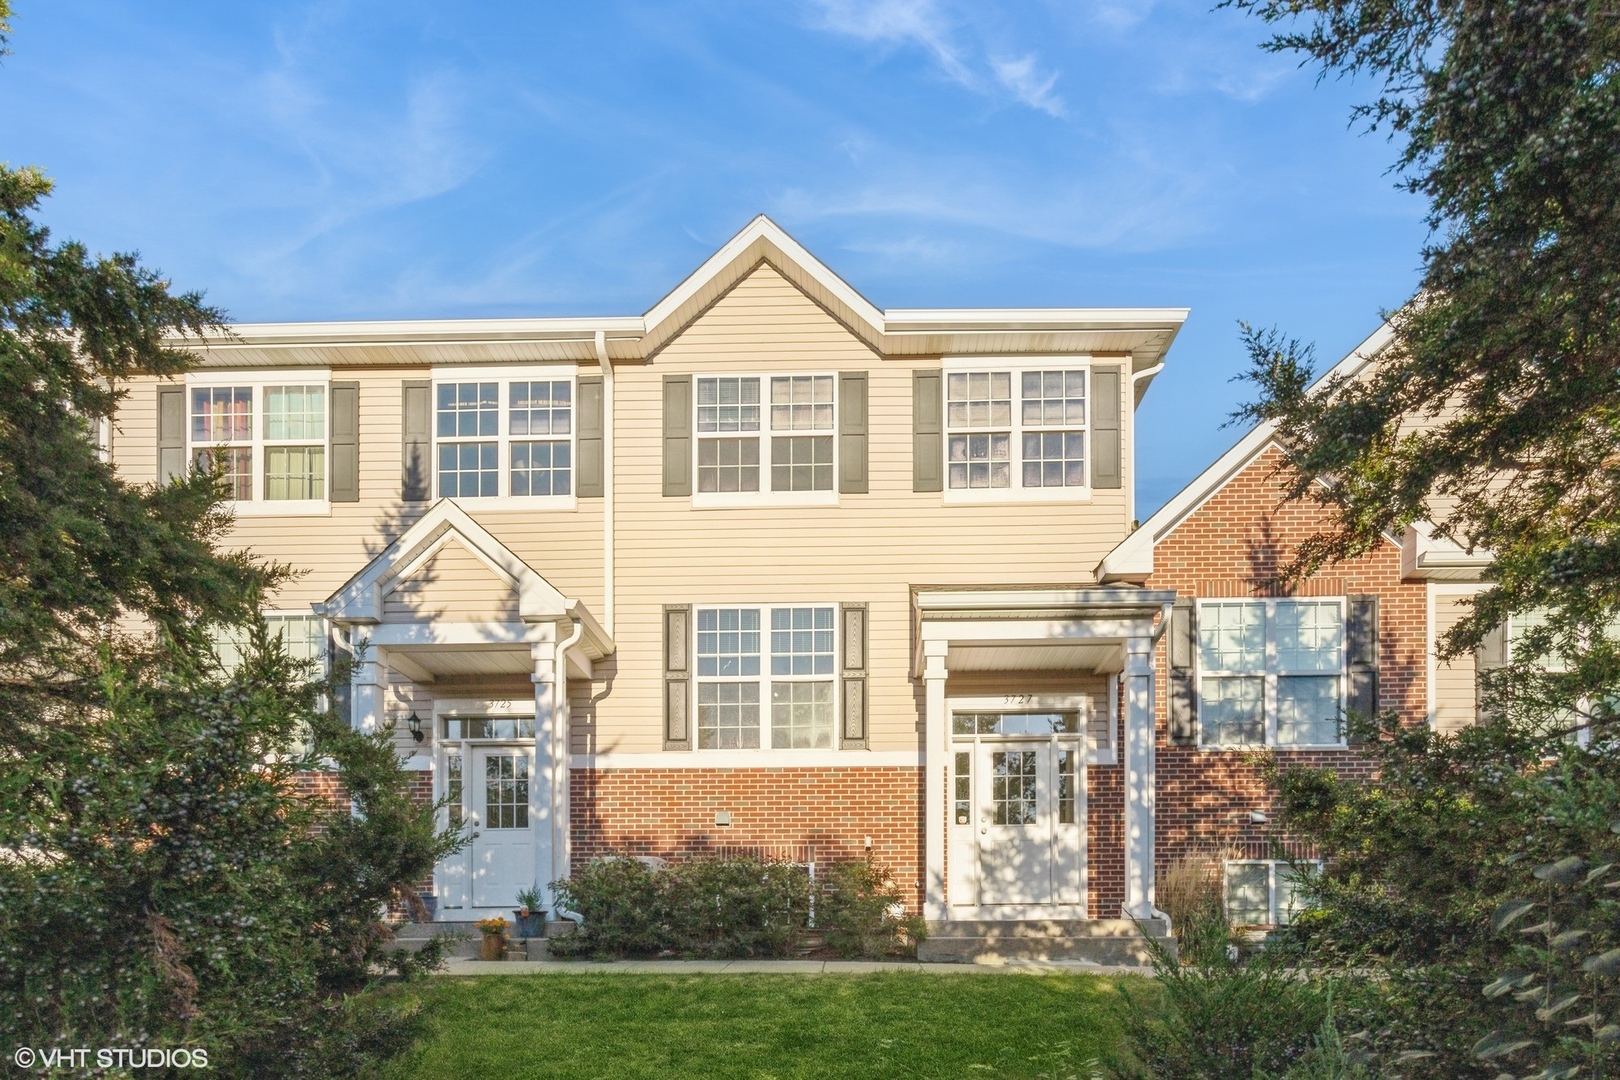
(607, 480)
(1130, 489)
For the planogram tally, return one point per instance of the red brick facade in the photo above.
(1227, 547)
(825, 814)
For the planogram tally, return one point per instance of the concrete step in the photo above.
(1099, 941)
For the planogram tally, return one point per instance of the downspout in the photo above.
(561, 822)
(607, 480)
(1130, 489)
(1165, 613)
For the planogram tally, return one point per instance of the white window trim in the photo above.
(1271, 673)
(764, 678)
(328, 648)
(765, 496)
(1276, 866)
(1103, 753)
(1017, 493)
(258, 381)
(503, 376)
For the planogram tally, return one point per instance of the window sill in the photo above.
(281, 508)
(504, 503)
(741, 500)
(1014, 496)
(1249, 748)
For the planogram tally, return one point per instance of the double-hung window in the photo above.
(1016, 433)
(759, 664)
(766, 436)
(268, 438)
(1261, 892)
(302, 636)
(1271, 672)
(504, 437)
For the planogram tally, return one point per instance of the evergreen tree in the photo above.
(162, 881)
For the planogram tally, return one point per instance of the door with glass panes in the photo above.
(487, 787)
(502, 837)
(1018, 817)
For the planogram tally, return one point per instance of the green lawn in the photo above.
(763, 1026)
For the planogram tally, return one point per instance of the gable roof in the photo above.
(1144, 333)
(1132, 558)
(360, 599)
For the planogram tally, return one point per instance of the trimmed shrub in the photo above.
(732, 907)
(859, 907)
(705, 907)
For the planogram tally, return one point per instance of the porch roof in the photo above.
(438, 646)
(1034, 629)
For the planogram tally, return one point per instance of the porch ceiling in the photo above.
(443, 661)
(1024, 656)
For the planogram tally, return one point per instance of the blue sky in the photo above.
(344, 160)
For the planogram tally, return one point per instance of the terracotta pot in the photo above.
(494, 947)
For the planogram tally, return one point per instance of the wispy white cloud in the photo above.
(954, 41)
(1023, 76)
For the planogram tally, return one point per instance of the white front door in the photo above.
(502, 848)
(1017, 825)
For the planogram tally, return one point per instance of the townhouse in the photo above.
(769, 569)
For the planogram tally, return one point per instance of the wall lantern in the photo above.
(415, 724)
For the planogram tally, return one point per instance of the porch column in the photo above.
(366, 690)
(1139, 776)
(936, 759)
(543, 782)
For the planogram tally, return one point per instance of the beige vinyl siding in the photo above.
(870, 548)
(1454, 692)
(564, 546)
(454, 585)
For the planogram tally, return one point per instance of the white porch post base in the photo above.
(1139, 777)
(936, 758)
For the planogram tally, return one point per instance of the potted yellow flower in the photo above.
(494, 944)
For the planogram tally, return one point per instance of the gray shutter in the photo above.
(677, 435)
(344, 484)
(852, 479)
(1183, 704)
(852, 631)
(678, 677)
(416, 407)
(171, 432)
(588, 475)
(1490, 654)
(927, 431)
(1106, 470)
(1363, 641)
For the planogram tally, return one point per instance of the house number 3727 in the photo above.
(1017, 699)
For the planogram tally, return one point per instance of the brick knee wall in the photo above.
(824, 813)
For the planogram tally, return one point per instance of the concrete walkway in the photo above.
(463, 967)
